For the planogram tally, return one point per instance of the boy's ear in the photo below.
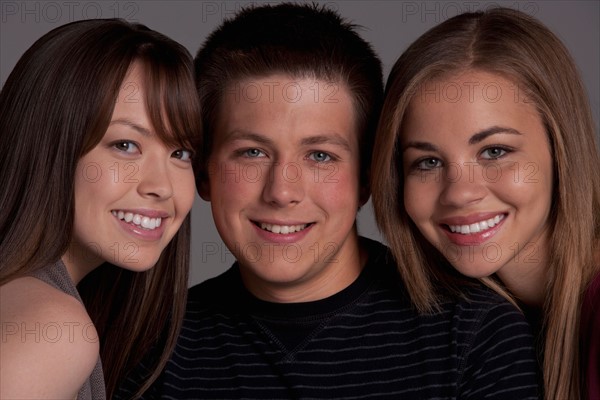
(365, 193)
(365, 188)
(203, 187)
(204, 190)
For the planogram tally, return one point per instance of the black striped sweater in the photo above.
(366, 342)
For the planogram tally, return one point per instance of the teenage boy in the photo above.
(290, 97)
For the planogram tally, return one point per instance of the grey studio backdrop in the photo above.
(389, 25)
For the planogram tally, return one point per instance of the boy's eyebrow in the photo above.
(247, 135)
(332, 138)
(476, 138)
(132, 125)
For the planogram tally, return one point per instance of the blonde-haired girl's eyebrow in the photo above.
(476, 138)
(480, 136)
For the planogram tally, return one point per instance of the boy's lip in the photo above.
(277, 231)
(279, 222)
(282, 228)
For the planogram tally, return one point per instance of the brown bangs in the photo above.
(172, 102)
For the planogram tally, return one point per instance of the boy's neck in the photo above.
(344, 268)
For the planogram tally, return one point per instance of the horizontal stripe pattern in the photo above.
(366, 342)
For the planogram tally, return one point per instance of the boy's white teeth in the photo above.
(477, 226)
(282, 229)
(138, 219)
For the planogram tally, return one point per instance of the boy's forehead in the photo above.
(285, 105)
(263, 100)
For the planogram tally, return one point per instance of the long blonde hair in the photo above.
(515, 45)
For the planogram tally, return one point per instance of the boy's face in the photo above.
(284, 186)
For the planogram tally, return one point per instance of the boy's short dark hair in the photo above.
(301, 41)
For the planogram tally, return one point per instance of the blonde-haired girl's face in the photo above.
(478, 174)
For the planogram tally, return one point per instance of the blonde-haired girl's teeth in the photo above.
(477, 226)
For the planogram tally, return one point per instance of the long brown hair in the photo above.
(515, 45)
(56, 106)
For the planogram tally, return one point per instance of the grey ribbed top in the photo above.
(57, 276)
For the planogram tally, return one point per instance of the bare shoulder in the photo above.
(49, 343)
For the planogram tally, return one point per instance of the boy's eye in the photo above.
(428, 163)
(319, 156)
(182, 154)
(492, 153)
(253, 153)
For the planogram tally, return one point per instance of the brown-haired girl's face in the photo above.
(478, 173)
(132, 192)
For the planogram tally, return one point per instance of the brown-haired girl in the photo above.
(97, 122)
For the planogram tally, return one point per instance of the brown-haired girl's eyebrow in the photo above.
(136, 127)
